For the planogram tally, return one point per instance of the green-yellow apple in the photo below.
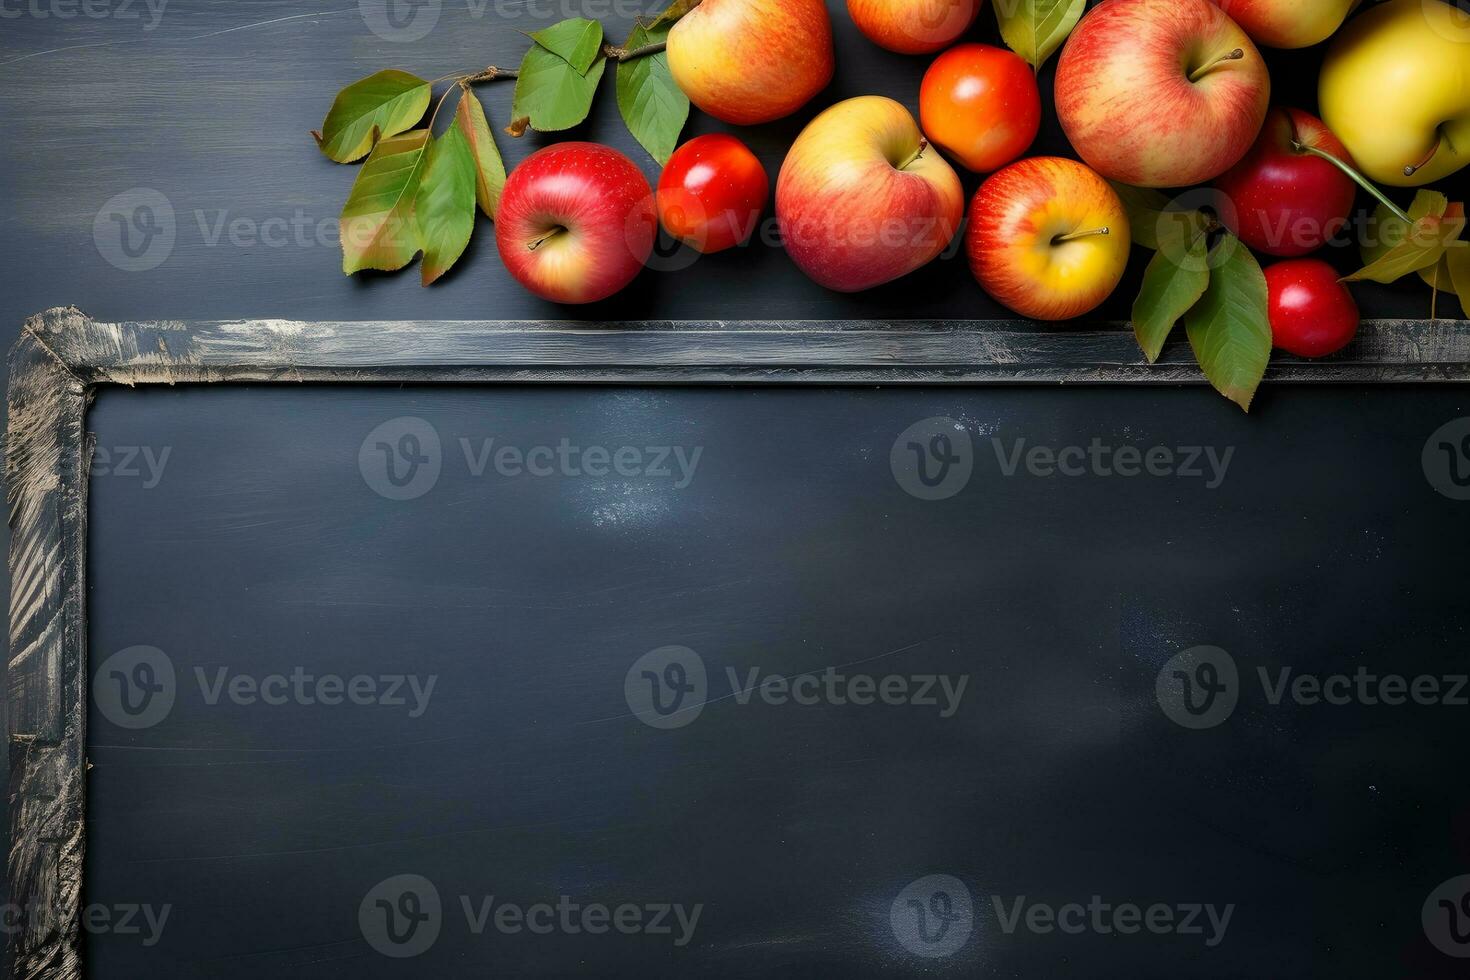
(1048, 238)
(862, 199)
(1161, 93)
(752, 61)
(1395, 88)
(1288, 23)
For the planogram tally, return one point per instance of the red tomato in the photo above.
(712, 192)
(1312, 314)
(980, 105)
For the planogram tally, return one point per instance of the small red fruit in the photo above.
(1286, 202)
(1312, 313)
(980, 105)
(712, 192)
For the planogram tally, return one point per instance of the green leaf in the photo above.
(674, 11)
(576, 41)
(1229, 328)
(444, 205)
(550, 94)
(1400, 249)
(653, 106)
(1144, 207)
(387, 104)
(1034, 29)
(1171, 287)
(489, 167)
(378, 230)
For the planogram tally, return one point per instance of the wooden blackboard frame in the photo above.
(63, 357)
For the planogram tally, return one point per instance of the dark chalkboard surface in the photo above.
(259, 533)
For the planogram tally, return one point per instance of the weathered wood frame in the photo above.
(63, 356)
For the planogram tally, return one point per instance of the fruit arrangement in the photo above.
(1181, 147)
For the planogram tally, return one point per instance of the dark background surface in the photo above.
(792, 549)
(211, 106)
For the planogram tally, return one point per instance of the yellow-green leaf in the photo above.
(378, 230)
(1036, 28)
(1400, 249)
(576, 41)
(1172, 283)
(489, 167)
(1457, 259)
(550, 94)
(1229, 328)
(652, 105)
(384, 104)
(444, 205)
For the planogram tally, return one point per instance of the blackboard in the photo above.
(820, 650)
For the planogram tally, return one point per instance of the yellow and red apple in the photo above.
(1395, 88)
(913, 26)
(1161, 93)
(1048, 238)
(1288, 23)
(752, 61)
(862, 199)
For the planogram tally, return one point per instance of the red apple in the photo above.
(980, 105)
(752, 61)
(913, 26)
(711, 193)
(1161, 93)
(1312, 313)
(862, 199)
(1048, 238)
(1284, 201)
(576, 222)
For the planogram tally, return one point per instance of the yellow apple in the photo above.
(1048, 238)
(1395, 88)
(1288, 23)
(752, 61)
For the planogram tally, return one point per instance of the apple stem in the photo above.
(1204, 70)
(1414, 168)
(538, 242)
(923, 145)
(1081, 234)
(1358, 178)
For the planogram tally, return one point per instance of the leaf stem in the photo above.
(628, 54)
(1205, 69)
(1358, 178)
(491, 74)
